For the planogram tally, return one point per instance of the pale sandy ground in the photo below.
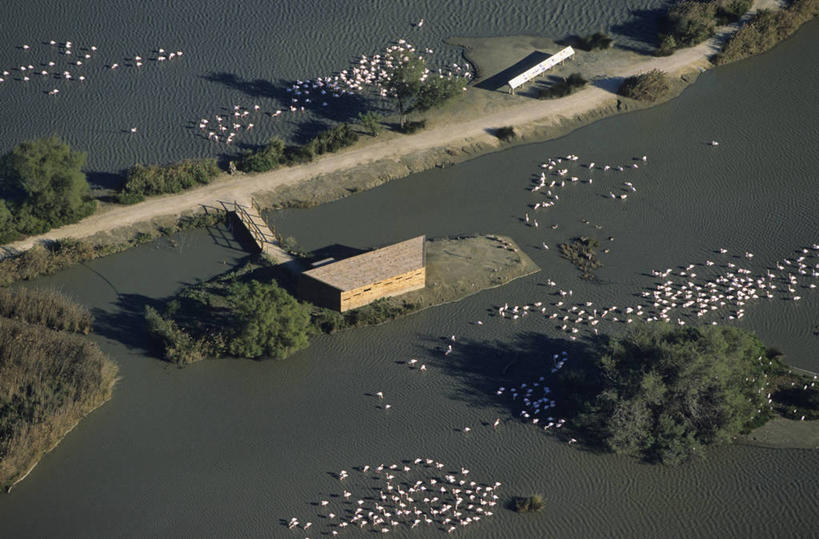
(469, 128)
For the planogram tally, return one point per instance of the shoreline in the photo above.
(446, 142)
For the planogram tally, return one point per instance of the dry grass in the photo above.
(49, 308)
(49, 380)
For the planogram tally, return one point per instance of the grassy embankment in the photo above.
(766, 29)
(50, 378)
(251, 312)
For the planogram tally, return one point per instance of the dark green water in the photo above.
(230, 448)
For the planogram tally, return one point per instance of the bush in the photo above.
(530, 504)
(437, 90)
(596, 41)
(413, 127)
(766, 29)
(270, 321)
(156, 180)
(177, 345)
(646, 86)
(42, 186)
(371, 121)
(48, 308)
(692, 21)
(333, 139)
(506, 133)
(666, 392)
(563, 87)
(264, 159)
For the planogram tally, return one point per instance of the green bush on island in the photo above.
(145, 181)
(649, 86)
(528, 504)
(766, 29)
(270, 322)
(49, 380)
(582, 252)
(42, 186)
(177, 345)
(565, 86)
(47, 308)
(663, 393)
(693, 21)
(436, 91)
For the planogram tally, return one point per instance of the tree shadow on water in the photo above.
(125, 323)
(483, 367)
(643, 28)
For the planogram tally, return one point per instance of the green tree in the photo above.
(666, 392)
(270, 321)
(405, 80)
(438, 89)
(43, 178)
(264, 159)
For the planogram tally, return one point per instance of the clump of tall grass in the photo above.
(178, 346)
(144, 180)
(49, 380)
(48, 308)
(649, 86)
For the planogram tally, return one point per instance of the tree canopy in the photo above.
(666, 392)
(270, 321)
(42, 185)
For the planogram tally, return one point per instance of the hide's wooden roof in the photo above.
(368, 268)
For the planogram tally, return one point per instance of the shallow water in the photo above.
(231, 447)
(235, 53)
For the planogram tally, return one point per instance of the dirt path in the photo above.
(530, 112)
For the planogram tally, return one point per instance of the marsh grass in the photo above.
(49, 380)
(48, 308)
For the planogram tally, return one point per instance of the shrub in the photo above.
(333, 139)
(156, 180)
(645, 86)
(413, 127)
(270, 321)
(177, 345)
(766, 29)
(562, 88)
(264, 159)
(530, 504)
(666, 392)
(596, 41)
(371, 121)
(437, 90)
(506, 133)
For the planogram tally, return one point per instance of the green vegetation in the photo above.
(144, 181)
(275, 153)
(663, 393)
(333, 139)
(49, 379)
(177, 345)
(649, 86)
(270, 321)
(766, 29)
(48, 308)
(562, 88)
(530, 504)
(413, 88)
(582, 252)
(371, 121)
(693, 21)
(42, 186)
(413, 127)
(596, 41)
(58, 255)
